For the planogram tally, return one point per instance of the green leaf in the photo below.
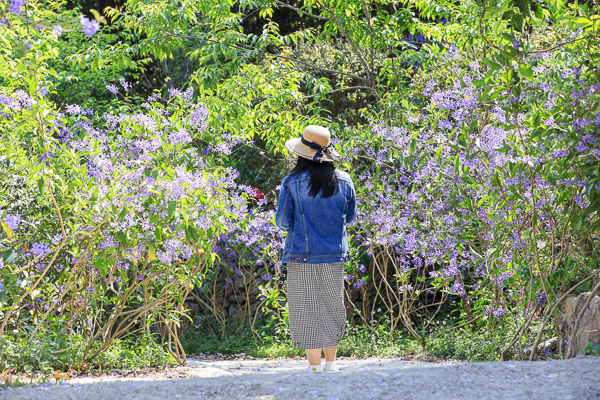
(491, 64)
(523, 6)
(495, 181)
(526, 71)
(171, 208)
(41, 185)
(438, 153)
(413, 145)
(9, 255)
(517, 22)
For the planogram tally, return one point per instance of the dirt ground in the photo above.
(370, 378)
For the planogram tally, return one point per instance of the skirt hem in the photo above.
(304, 346)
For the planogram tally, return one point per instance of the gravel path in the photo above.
(386, 379)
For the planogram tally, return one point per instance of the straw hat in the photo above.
(315, 144)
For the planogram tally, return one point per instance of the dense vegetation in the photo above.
(141, 149)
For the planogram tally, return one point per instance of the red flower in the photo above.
(258, 194)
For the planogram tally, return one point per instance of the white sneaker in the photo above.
(315, 368)
(330, 366)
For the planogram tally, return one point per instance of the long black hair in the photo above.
(323, 178)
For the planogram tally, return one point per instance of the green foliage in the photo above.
(592, 349)
(357, 342)
(52, 351)
(482, 345)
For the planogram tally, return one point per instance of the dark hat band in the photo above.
(318, 157)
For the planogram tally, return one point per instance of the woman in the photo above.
(316, 203)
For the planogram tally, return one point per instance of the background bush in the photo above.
(134, 163)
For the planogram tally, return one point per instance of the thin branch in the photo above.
(266, 53)
(282, 4)
(354, 47)
(549, 315)
(337, 90)
(368, 18)
(518, 53)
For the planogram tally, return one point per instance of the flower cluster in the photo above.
(449, 189)
(12, 221)
(89, 27)
(146, 205)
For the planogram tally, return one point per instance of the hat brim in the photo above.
(301, 150)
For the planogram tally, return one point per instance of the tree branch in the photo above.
(354, 47)
(282, 4)
(266, 53)
(337, 90)
(518, 53)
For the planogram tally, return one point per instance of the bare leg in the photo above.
(314, 356)
(330, 353)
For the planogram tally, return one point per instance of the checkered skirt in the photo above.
(315, 296)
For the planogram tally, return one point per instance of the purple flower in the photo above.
(73, 109)
(198, 117)
(16, 6)
(542, 298)
(189, 94)
(445, 124)
(180, 137)
(89, 27)
(126, 85)
(458, 288)
(57, 29)
(360, 283)
(175, 92)
(27, 44)
(40, 249)
(12, 221)
(500, 312)
(112, 88)
(277, 389)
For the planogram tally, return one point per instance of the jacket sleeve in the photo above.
(285, 208)
(351, 198)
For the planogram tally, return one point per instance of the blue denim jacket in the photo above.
(316, 226)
